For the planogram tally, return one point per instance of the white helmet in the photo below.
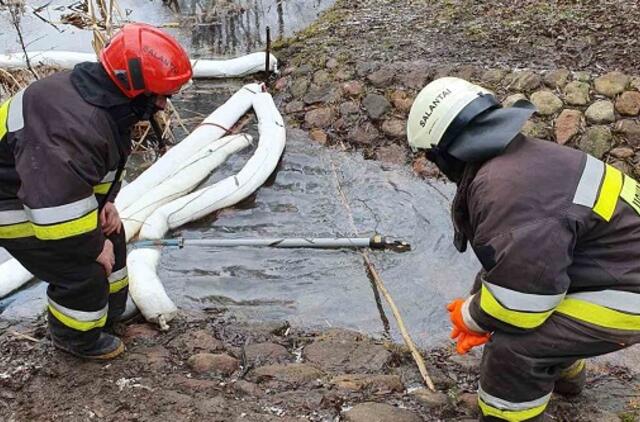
(442, 110)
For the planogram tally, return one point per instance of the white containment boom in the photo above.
(145, 286)
(182, 181)
(213, 127)
(202, 68)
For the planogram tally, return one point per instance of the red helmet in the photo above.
(143, 59)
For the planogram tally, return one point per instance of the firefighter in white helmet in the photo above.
(558, 235)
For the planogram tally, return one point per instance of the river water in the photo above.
(207, 28)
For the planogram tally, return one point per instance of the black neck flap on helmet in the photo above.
(482, 130)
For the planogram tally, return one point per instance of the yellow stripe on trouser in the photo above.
(574, 370)
(609, 193)
(76, 324)
(599, 315)
(4, 112)
(490, 305)
(116, 286)
(71, 228)
(16, 231)
(511, 415)
(102, 188)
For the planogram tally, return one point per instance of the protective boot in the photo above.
(572, 379)
(105, 348)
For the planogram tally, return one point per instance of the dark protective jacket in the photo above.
(556, 230)
(61, 158)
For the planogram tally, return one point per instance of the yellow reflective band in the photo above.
(116, 286)
(609, 193)
(74, 323)
(102, 188)
(490, 305)
(574, 370)
(71, 228)
(599, 315)
(4, 112)
(15, 231)
(631, 193)
(511, 415)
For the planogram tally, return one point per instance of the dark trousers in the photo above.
(82, 299)
(519, 371)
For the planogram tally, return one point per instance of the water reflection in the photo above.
(238, 27)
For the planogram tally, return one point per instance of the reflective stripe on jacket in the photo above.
(556, 230)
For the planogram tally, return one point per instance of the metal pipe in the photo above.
(374, 242)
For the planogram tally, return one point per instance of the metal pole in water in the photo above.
(374, 242)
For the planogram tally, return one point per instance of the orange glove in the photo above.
(466, 338)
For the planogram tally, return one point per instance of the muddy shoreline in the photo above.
(214, 367)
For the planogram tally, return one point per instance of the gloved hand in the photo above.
(466, 338)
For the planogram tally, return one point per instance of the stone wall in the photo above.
(365, 106)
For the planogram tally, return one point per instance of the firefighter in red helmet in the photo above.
(64, 142)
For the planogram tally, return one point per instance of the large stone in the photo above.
(535, 129)
(525, 81)
(416, 79)
(248, 388)
(392, 154)
(395, 128)
(303, 70)
(294, 107)
(630, 130)
(596, 141)
(140, 331)
(325, 93)
(469, 401)
(600, 112)
(344, 74)
(353, 88)
(622, 152)
(557, 78)
(196, 341)
(401, 101)
(628, 103)
(261, 353)
(299, 88)
(382, 78)
(493, 77)
(546, 102)
(343, 350)
(430, 399)
(220, 364)
(577, 93)
(377, 384)
(293, 374)
(568, 124)
(376, 105)
(425, 168)
(379, 412)
(634, 83)
(320, 117)
(363, 133)
(349, 108)
(582, 76)
(321, 77)
(365, 68)
(319, 136)
(512, 99)
(611, 84)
